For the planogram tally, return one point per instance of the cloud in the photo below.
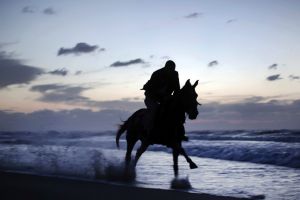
(78, 72)
(274, 77)
(213, 63)
(63, 120)
(165, 57)
(127, 63)
(260, 99)
(123, 104)
(273, 114)
(255, 99)
(274, 66)
(46, 87)
(49, 11)
(61, 93)
(13, 71)
(293, 77)
(79, 48)
(59, 72)
(28, 9)
(3, 44)
(231, 21)
(58, 93)
(270, 115)
(193, 15)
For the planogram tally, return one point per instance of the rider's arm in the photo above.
(176, 83)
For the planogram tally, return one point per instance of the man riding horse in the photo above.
(158, 90)
(165, 123)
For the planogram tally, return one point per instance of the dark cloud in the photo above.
(255, 99)
(64, 120)
(293, 77)
(49, 11)
(123, 104)
(260, 99)
(132, 99)
(46, 87)
(59, 72)
(193, 15)
(3, 44)
(28, 9)
(271, 115)
(127, 63)
(231, 21)
(61, 93)
(79, 48)
(165, 57)
(274, 66)
(13, 71)
(78, 72)
(72, 95)
(274, 77)
(213, 63)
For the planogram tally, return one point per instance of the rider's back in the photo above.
(162, 83)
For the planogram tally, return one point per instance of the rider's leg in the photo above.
(152, 107)
(150, 102)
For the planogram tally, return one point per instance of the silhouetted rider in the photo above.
(162, 84)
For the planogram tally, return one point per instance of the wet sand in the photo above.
(27, 186)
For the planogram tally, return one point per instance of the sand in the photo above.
(27, 186)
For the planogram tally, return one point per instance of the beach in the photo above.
(240, 164)
(28, 186)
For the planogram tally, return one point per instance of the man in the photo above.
(162, 84)
(159, 88)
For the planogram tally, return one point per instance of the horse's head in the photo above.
(188, 97)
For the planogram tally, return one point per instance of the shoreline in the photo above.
(28, 186)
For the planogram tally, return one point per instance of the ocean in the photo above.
(260, 164)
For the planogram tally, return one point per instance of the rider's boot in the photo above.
(151, 130)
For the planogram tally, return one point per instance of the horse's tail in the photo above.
(122, 129)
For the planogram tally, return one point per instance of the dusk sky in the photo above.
(80, 65)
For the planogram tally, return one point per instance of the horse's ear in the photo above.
(195, 84)
(188, 82)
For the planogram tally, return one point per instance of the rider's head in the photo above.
(170, 65)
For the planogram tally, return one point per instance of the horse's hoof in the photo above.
(193, 166)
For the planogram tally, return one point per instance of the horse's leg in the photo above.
(188, 159)
(175, 161)
(140, 151)
(130, 144)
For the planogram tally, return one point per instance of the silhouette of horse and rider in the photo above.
(162, 122)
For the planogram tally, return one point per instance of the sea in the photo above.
(258, 164)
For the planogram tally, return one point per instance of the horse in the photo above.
(170, 126)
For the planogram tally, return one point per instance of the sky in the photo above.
(79, 65)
